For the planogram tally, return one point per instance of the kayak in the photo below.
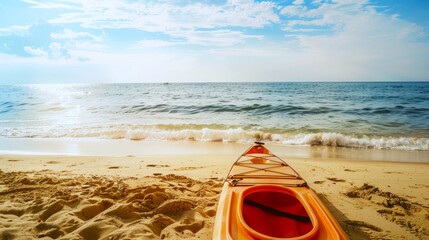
(265, 198)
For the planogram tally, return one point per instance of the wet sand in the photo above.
(173, 195)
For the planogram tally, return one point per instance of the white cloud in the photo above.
(162, 16)
(350, 39)
(155, 43)
(52, 5)
(327, 61)
(35, 51)
(166, 17)
(298, 2)
(85, 45)
(215, 37)
(71, 35)
(333, 15)
(220, 38)
(326, 40)
(58, 51)
(73, 41)
(20, 30)
(355, 18)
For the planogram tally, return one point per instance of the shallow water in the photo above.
(364, 115)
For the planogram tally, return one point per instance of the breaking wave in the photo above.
(341, 140)
(219, 134)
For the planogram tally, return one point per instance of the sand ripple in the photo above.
(412, 216)
(45, 205)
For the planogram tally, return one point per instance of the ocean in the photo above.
(381, 115)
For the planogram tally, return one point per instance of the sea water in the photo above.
(382, 115)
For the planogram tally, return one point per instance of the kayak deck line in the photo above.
(262, 176)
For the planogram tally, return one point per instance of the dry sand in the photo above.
(175, 197)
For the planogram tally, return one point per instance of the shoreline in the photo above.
(123, 147)
(174, 194)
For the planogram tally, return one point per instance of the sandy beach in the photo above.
(173, 193)
(120, 120)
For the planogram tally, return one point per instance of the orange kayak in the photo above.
(264, 198)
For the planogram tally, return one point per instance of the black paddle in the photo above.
(277, 212)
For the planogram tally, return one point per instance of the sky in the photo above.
(99, 41)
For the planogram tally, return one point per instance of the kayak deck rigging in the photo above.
(259, 166)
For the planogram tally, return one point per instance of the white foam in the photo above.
(203, 135)
(341, 140)
(153, 133)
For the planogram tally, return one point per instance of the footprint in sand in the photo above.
(51, 209)
(156, 198)
(12, 211)
(350, 170)
(211, 212)
(396, 209)
(363, 224)
(152, 189)
(9, 233)
(146, 202)
(318, 182)
(98, 229)
(159, 222)
(193, 227)
(187, 168)
(336, 179)
(174, 207)
(123, 211)
(81, 207)
(48, 230)
(13, 160)
(52, 162)
(394, 172)
(157, 165)
(89, 211)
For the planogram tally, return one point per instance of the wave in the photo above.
(341, 140)
(255, 109)
(216, 107)
(221, 134)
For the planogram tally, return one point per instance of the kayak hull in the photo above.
(271, 209)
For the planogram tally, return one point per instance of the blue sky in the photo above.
(89, 41)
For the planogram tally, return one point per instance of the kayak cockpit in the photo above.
(276, 212)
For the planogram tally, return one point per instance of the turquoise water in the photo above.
(369, 115)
